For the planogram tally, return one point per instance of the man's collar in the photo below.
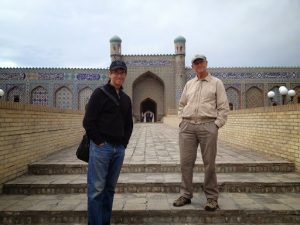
(207, 78)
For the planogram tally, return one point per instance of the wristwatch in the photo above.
(101, 144)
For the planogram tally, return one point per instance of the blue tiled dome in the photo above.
(115, 39)
(179, 39)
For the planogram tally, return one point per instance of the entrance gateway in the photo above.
(148, 111)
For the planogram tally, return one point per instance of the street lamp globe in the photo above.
(1, 93)
(291, 93)
(283, 90)
(271, 94)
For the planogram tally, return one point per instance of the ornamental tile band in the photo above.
(248, 75)
(231, 75)
(148, 62)
(86, 76)
(50, 76)
(12, 76)
(235, 85)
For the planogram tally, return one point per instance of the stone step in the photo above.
(230, 167)
(153, 208)
(156, 182)
(171, 223)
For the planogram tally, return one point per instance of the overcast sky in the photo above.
(76, 33)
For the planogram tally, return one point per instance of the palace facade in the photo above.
(154, 83)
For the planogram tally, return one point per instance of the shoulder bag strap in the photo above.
(110, 96)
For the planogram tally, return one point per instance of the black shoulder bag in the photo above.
(83, 150)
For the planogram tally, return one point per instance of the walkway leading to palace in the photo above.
(254, 188)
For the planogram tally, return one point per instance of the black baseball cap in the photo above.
(118, 64)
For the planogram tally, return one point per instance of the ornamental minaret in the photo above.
(115, 48)
(179, 66)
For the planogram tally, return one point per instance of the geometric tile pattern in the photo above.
(233, 96)
(39, 96)
(237, 82)
(63, 98)
(84, 96)
(256, 75)
(15, 95)
(254, 98)
(297, 96)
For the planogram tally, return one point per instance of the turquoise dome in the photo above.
(179, 39)
(115, 39)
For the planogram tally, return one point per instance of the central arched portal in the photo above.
(148, 98)
(148, 110)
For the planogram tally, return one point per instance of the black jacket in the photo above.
(105, 121)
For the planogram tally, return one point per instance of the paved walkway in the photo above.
(158, 144)
(254, 187)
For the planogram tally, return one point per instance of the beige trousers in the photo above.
(190, 136)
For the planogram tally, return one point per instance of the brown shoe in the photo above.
(211, 205)
(181, 201)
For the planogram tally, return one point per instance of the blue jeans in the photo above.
(104, 167)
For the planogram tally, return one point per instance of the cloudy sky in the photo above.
(76, 33)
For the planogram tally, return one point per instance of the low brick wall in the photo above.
(273, 130)
(30, 132)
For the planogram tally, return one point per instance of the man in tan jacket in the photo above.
(203, 108)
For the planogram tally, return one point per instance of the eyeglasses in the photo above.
(119, 72)
(197, 62)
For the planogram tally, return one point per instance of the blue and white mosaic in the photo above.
(50, 76)
(86, 76)
(231, 75)
(248, 75)
(12, 76)
(235, 85)
(148, 63)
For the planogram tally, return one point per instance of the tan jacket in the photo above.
(204, 100)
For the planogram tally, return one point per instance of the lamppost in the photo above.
(283, 92)
(1, 93)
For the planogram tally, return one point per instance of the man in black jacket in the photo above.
(109, 126)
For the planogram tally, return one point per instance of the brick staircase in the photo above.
(254, 188)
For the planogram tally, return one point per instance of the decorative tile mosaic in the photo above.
(83, 97)
(39, 96)
(32, 76)
(236, 86)
(148, 63)
(231, 75)
(90, 86)
(86, 76)
(57, 86)
(178, 95)
(297, 96)
(50, 76)
(16, 94)
(190, 75)
(12, 76)
(63, 98)
(233, 96)
(254, 98)
(258, 85)
(293, 86)
(249, 75)
(10, 86)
